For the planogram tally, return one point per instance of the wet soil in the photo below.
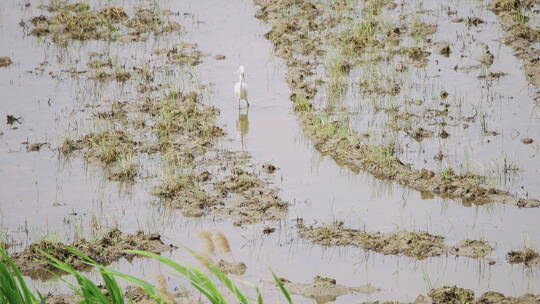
(419, 245)
(325, 290)
(456, 295)
(104, 251)
(526, 256)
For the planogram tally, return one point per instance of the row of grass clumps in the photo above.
(184, 114)
(78, 21)
(519, 34)
(185, 129)
(297, 28)
(15, 290)
(114, 148)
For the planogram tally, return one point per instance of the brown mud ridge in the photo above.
(79, 22)
(519, 36)
(419, 245)
(527, 256)
(456, 295)
(325, 290)
(248, 199)
(297, 28)
(241, 196)
(104, 251)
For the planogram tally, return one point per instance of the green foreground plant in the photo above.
(14, 289)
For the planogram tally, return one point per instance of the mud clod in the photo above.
(5, 61)
(420, 133)
(443, 48)
(35, 147)
(451, 295)
(269, 168)
(457, 295)
(10, 119)
(472, 248)
(527, 257)
(474, 21)
(238, 181)
(527, 141)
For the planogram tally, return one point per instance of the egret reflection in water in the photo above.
(242, 125)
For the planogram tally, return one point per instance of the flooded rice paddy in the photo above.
(390, 146)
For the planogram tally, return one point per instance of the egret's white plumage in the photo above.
(240, 88)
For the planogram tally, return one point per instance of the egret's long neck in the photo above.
(241, 78)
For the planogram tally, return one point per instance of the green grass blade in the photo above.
(282, 288)
(88, 289)
(145, 286)
(115, 291)
(223, 278)
(13, 287)
(197, 278)
(259, 296)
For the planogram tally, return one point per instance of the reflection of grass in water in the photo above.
(125, 169)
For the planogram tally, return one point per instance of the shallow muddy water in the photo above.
(486, 119)
(44, 195)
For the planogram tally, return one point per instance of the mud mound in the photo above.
(325, 290)
(5, 61)
(527, 257)
(419, 245)
(104, 251)
(456, 295)
(248, 199)
(472, 248)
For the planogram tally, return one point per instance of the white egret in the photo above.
(240, 88)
